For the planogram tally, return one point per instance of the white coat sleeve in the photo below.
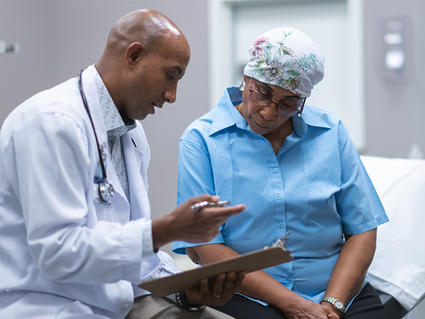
(52, 177)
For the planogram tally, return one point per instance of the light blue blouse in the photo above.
(316, 188)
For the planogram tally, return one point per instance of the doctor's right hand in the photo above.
(185, 224)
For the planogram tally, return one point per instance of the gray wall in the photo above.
(58, 38)
(395, 111)
(23, 74)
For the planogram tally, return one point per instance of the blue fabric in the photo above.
(316, 188)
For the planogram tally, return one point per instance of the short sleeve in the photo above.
(357, 202)
(195, 177)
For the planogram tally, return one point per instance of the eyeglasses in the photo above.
(288, 105)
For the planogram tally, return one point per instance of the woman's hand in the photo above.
(307, 310)
(217, 293)
(332, 313)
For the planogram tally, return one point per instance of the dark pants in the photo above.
(367, 305)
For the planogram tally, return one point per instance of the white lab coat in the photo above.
(63, 253)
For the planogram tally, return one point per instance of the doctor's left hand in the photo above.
(216, 292)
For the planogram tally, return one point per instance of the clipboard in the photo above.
(260, 259)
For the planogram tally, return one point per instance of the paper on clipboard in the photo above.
(260, 259)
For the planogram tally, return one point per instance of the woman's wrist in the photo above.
(288, 300)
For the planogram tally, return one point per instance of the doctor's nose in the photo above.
(170, 95)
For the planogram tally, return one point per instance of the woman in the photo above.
(297, 171)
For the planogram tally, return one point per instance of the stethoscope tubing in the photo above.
(103, 184)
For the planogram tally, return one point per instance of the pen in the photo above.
(198, 206)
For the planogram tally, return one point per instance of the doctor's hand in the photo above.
(185, 224)
(216, 292)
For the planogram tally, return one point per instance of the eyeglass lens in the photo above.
(287, 104)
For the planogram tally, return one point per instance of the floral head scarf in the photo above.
(288, 58)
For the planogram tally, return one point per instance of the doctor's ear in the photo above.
(134, 52)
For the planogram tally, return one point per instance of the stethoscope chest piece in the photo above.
(106, 191)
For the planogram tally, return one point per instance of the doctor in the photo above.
(75, 231)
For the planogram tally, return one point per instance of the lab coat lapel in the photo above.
(139, 201)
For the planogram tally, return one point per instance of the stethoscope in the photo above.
(105, 189)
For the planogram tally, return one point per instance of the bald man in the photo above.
(75, 230)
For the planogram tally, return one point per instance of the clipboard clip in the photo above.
(281, 242)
